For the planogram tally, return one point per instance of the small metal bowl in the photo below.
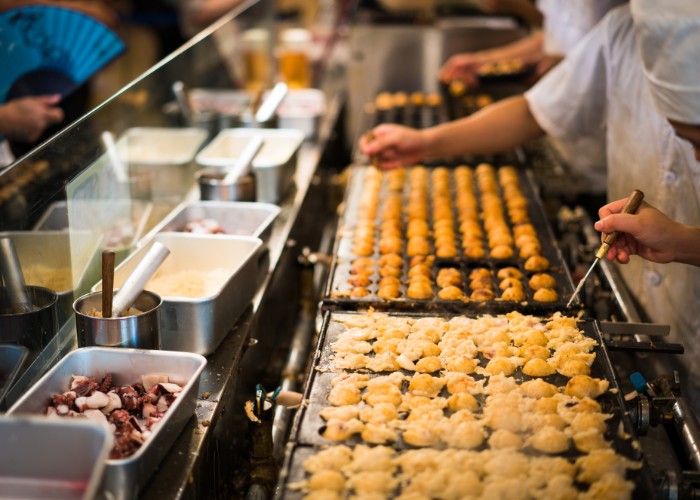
(34, 329)
(212, 187)
(140, 331)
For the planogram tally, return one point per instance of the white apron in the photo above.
(601, 85)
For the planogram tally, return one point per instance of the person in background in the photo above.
(198, 14)
(649, 110)
(566, 22)
(25, 119)
(524, 10)
(650, 234)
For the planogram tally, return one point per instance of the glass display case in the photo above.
(108, 178)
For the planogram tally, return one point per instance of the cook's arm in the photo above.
(498, 127)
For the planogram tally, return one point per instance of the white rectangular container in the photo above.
(51, 458)
(124, 478)
(200, 324)
(274, 165)
(234, 218)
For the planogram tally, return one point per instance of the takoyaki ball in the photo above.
(481, 282)
(443, 241)
(443, 212)
(420, 291)
(509, 272)
(470, 241)
(518, 215)
(363, 248)
(363, 262)
(452, 293)
(502, 252)
(417, 212)
(433, 99)
(418, 246)
(420, 279)
(361, 271)
(510, 283)
(463, 171)
(449, 276)
(395, 183)
(480, 272)
(500, 238)
(515, 294)
(390, 271)
(482, 295)
(474, 252)
(400, 99)
(457, 88)
(422, 259)
(390, 259)
(417, 227)
(495, 223)
(546, 295)
(516, 200)
(389, 292)
(417, 98)
(530, 250)
(521, 229)
(420, 269)
(483, 100)
(359, 291)
(471, 228)
(360, 280)
(389, 280)
(390, 244)
(390, 224)
(542, 280)
(536, 263)
(446, 251)
(384, 101)
(443, 223)
(526, 239)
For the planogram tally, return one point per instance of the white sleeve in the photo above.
(569, 102)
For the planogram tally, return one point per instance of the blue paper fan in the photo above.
(47, 50)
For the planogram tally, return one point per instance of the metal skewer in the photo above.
(630, 207)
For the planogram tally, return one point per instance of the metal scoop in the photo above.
(14, 279)
(630, 207)
(135, 283)
(269, 106)
(245, 160)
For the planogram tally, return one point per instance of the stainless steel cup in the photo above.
(33, 329)
(213, 188)
(140, 331)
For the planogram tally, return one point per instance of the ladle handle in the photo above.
(271, 103)
(107, 282)
(245, 160)
(135, 283)
(183, 101)
(14, 279)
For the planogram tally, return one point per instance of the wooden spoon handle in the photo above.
(107, 282)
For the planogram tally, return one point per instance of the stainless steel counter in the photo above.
(194, 467)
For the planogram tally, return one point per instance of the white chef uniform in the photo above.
(601, 86)
(566, 22)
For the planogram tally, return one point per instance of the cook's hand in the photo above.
(648, 233)
(395, 145)
(462, 67)
(26, 118)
